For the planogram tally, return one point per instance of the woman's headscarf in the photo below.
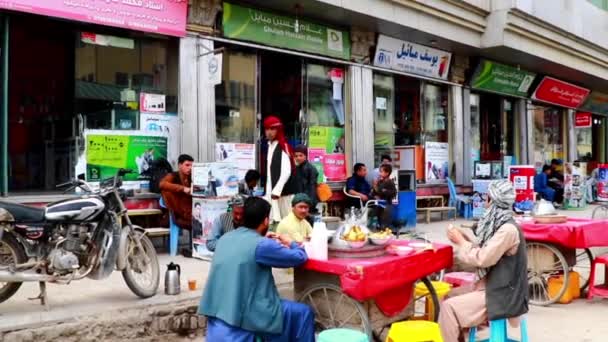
(274, 122)
(502, 194)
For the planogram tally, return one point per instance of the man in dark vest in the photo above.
(280, 170)
(241, 300)
(501, 260)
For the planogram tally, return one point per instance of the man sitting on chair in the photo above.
(357, 186)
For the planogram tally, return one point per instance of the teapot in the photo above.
(172, 279)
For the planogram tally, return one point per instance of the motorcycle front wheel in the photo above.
(11, 253)
(142, 271)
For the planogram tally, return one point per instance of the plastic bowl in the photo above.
(399, 250)
(381, 242)
(356, 244)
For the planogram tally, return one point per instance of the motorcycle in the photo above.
(75, 238)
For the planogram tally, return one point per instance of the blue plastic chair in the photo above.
(498, 331)
(462, 203)
(173, 230)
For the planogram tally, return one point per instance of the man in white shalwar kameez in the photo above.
(280, 166)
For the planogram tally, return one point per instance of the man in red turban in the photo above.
(280, 166)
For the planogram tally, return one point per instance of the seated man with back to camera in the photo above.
(227, 222)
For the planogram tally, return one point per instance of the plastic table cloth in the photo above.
(388, 279)
(575, 233)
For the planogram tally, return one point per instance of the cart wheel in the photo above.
(334, 309)
(544, 262)
(420, 303)
(600, 213)
(583, 266)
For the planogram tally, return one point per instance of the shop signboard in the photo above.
(522, 177)
(596, 103)
(241, 155)
(326, 152)
(502, 78)
(204, 212)
(106, 153)
(158, 16)
(245, 23)
(215, 179)
(602, 182)
(583, 120)
(413, 58)
(560, 93)
(436, 156)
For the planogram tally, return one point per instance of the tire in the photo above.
(600, 213)
(429, 286)
(10, 252)
(539, 294)
(135, 264)
(584, 257)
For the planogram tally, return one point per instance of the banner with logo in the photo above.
(561, 93)
(326, 152)
(413, 58)
(583, 120)
(245, 23)
(157, 16)
(502, 78)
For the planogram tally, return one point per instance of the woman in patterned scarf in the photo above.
(500, 258)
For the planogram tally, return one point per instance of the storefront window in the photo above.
(548, 134)
(591, 141)
(435, 113)
(235, 99)
(384, 115)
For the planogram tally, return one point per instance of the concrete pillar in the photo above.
(526, 131)
(362, 115)
(467, 160)
(572, 139)
(206, 104)
(187, 99)
(458, 139)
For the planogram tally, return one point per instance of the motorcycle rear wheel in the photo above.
(142, 277)
(11, 252)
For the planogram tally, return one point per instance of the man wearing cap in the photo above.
(295, 224)
(227, 222)
(280, 168)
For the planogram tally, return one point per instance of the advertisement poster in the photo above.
(152, 103)
(410, 57)
(522, 177)
(437, 158)
(602, 183)
(168, 126)
(215, 179)
(264, 27)
(326, 152)
(204, 213)
(502, 78)
(106, 153)
(241, 155)
(574, 187)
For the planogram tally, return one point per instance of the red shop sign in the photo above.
(583, 120)
(560, 93)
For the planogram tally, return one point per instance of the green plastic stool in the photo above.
(342, 335)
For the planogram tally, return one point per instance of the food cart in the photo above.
(556, 249)
(368, 293)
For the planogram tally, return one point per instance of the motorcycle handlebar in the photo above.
(64, 184)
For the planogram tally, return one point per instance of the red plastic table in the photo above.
(376, 290)
(556, 249)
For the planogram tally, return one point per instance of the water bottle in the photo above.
(318, 241)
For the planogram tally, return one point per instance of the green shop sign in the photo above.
(254, 25)
(502, 78)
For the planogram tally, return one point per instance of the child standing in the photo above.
(306, 176)
(385, 190)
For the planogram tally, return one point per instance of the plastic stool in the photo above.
(173, 230)
(498, 331)
(597, 290)
(441, 289)
(457, 279)
(414, 331)
(342, 335)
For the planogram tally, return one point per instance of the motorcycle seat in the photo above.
(23, 213)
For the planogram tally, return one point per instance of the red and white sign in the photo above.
(583, 120)
(158, 16)
(152, 103)
(522, 177)
(560, 93)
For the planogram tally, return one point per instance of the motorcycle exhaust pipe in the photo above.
(18, 277)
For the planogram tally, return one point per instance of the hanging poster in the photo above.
(241, 155)
(204, 213)
(152, 103)
(602, 182)
(436, 155)
(168, 126)
(215, 179)
(326, 149)
(106, 153)
(574, 187)
(522, 177)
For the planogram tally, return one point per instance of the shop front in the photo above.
(591, 130)
(82, 99)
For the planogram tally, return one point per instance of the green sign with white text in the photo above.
(259, 26)
(502, 78)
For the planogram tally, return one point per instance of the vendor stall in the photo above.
(368, 294)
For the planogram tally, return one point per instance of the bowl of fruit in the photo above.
(381, 238)
(355, 237)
